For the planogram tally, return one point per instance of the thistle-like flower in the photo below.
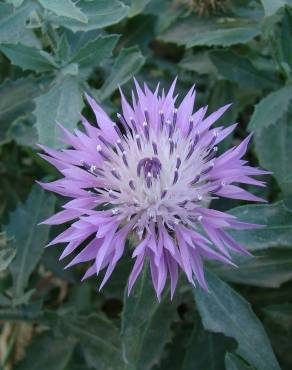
(151, 175)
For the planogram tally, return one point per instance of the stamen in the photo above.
(175, 178)
(163, 194)
(190, 152)
(191, 126)
(196, 179)
(146, 115)
(211, 154)
(123, 122)
(131, 184)
(178, 162)
(101, 152)
(146, 130)
(154, 146)
(104, 141)
(125, 158)
(138, 141)
(148, 180)
(207, 170)
(120, 145)
(112, 195)
(171, 146)
(174, 117)
(118, 131)
(134, 125)
(115, 174)
(161, 119)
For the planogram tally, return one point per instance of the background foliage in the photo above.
(51, 51)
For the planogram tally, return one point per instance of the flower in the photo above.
(151, 175)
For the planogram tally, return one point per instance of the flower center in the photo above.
(150, 167)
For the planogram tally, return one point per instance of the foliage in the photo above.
(51, 52)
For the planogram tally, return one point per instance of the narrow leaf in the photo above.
(224, 311)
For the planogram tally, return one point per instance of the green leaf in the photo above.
(16, 98)
(29, 312)
(52, 107)
(23, 131)
(65, 8)
(277, 230)
(7, 252)
(224, 311)
(274, 150)
(271, 6)
(205, 350)
(100, 14)
(15, 3)
(28, 57)
(99, 340)
(199, 63)
(137, 6)
(271, 109)
(281, 314)
(196, 31)
(95, 51)
(47, 352)
(233, 362)
(269, 268)
(29, 238)
(128, 62)
(145, 324)
(12, 22)
(240, 70)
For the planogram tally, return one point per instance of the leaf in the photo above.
(16, 98)
(128, 62)
(269, 269)
(99, 340)
(29, 312)
(95, 51)
(100, 14)
(277, 231)
(271, 109)
(271, 6)
(23, 131)
(29, 238)
(224, 311)
(52, 107)
(233, 362)
(196, 31)
(47, 352)
(137, 6)
(7, 252)
(205, 350)
(274, 150)
(65, 8)
(240, 70)
(199, 63)
(28, 57)
(12, 22)
(281, 314)
(145, 324)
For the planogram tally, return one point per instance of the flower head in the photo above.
(152, 174)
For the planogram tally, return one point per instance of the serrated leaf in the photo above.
(128, 62)
(95, 51)
(270, 109)
(196, 31)
(269, 269)
(47, 352)
(12, 22)
(99, 340)
(240, 70)
(233, 362)
(277, 230)
(16, 98)
(65, 8)
(52, 107)
(145, 324)
(100, 14)
(28, 57)
(274, 150)
(224, 311)
(29, 238)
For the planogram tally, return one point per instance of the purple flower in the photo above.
(151, 175)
